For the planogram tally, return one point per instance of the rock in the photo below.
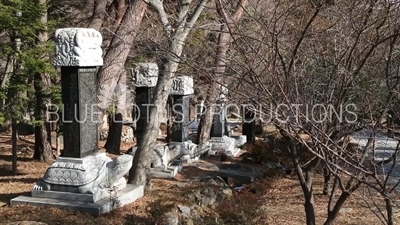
(181, 185)
(194, 212)
(171, 218)
(217, 190)
(103, 135)
(264, 209)
(27, 223)
(3, 204)
(127, 134)
(184, 210)
(274, 168)
(242, 173)
(345, 210)
(250, 158)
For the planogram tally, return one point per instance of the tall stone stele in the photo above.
(180, 145)
(145, 77)
(182, 88)
(221, 138)
(83, 179)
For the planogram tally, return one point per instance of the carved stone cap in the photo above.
(223, 92)
(182, 85)
(78, 47)
(145, 75)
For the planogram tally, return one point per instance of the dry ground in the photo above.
(265, 202)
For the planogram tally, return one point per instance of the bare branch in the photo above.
(159, 7)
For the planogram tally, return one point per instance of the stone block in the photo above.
(169, 173)
(78, 47)
(240, 140)
(226, 144)
(70, 196)
(182, 85)
(145, 75)
(125, 196)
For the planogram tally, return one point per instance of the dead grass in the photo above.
(265, 202)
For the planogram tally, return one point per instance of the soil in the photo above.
(269, 201)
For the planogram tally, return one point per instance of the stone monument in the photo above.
(145, 76)
(221, 139)
(83, 179)
(166, 158)
(249, 125)
(182, 88)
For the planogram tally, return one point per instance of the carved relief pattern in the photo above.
(177, 85)
(74, 174)
(78, 47)
(145, 75)
(182, 85)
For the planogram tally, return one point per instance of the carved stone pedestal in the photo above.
(94, 184)
(125, 196)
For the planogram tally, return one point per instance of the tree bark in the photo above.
(113, 143)
(351, 186)
(43, 150)
(120, 10)
(224, 42)
(140, 171)
(389, 211)
(305, 179)
(99, 12)
(118, 51)
(14, 146)
(332, 214)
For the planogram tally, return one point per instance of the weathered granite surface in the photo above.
(78, 47)
(89, 175)
(115, 200)
(182, 85)
(145, 75)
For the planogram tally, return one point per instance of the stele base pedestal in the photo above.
(104, 201)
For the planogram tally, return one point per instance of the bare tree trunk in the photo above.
(14, 146)
(99, 12)
(206, 119)
(351, 186)
(305, 181)
(332, 214)
(113, 143)
(118, 51)
(43, 149)
(58, 152)
(224, 42)
(309, 197)
(389, 211)
(4, 83)
(120, 10)
(139, 173)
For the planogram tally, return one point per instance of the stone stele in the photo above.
(78, 47)
(145, 75)
(182, 85)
